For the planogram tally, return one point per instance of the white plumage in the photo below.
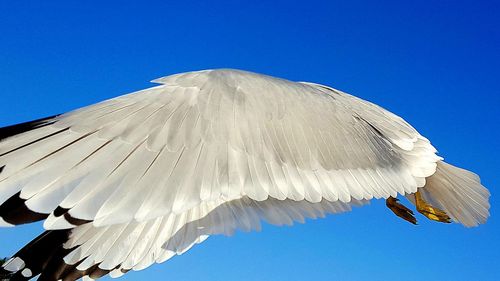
(147, 175)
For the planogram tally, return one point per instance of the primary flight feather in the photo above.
(140, 178)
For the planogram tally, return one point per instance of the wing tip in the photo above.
(12, 130)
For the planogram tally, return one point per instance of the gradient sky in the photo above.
(435, 63)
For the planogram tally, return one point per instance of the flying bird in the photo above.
(140, 178)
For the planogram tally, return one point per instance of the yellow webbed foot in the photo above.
(399, 210)
(429, 211)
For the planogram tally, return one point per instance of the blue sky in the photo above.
(435, 63)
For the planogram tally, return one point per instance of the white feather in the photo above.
(136, 245)
(224, 134)
(210, 152)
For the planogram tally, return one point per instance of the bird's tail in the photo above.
(459, 193)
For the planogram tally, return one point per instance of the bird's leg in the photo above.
(400, 210)
(429, 211)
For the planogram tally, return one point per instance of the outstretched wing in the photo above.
(142, 177)
(205, 136)
(93, 251)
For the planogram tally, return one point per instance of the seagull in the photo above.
(138, 179)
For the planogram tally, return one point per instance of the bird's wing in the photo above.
(116, 249)
(205, 136)
(175, 234)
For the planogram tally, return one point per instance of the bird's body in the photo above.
(137, 179)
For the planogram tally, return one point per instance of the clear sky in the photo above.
(435, 63)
